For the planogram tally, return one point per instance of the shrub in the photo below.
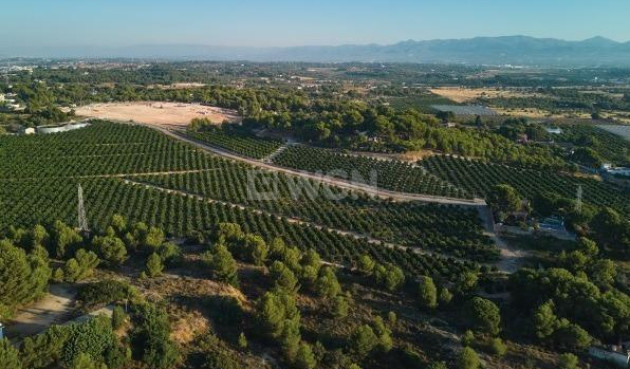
(568, 361)
(427, 294)
(468, 359)
(154, 266)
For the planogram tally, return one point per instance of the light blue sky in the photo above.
(37, 23)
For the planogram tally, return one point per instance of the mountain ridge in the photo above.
(501, 50)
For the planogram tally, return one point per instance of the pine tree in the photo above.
(154, 266)
(427, 294)
(327, 284)
(9, 356)
(222, 265)
(304, 358)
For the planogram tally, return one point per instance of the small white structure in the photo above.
(616, 358)
(27, 131)
(553, 131)
(1, 98)
(63, 128)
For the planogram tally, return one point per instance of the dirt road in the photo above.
(372, 191)
(55, 307)
(297, 221)
(511, 259)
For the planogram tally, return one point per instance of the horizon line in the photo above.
(140, 44)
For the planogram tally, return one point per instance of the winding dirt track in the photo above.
(372, 191)
(297, 221)
(510, 259)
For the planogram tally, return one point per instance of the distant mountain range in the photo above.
(513, 50)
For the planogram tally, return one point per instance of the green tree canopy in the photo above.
(222, 265)
(484, 316)
(504, 199)
(427, 293)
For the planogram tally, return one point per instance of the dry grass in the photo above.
(189, 286)
(540, 113)
(462, 95)
(178, 86)
(188, 327)
(163, 114)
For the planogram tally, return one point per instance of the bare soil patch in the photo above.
(462, 95)
(54, 307)
(536, 113)
(162, 114)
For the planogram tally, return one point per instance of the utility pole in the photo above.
(83, 224)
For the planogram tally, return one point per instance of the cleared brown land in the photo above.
(535, 113)
(462, 95)
(163, 114)
(178, 86)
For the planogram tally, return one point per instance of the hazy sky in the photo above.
(36, 23)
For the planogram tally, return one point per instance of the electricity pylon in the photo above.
(83, 224)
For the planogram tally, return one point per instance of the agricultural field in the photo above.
(270, 258)
(243, 144)
(479, 177)
(106, 159)
(623, 131)
(466, 110)
(28, 203)
(446, 229)
(104, 149)
(389, 175)
(608, 142)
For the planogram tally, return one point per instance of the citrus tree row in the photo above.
(247, 145)
(446, 229)
(387, 174)
(101, 149)
(609, 146)
(479, 177)
(29, 202)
